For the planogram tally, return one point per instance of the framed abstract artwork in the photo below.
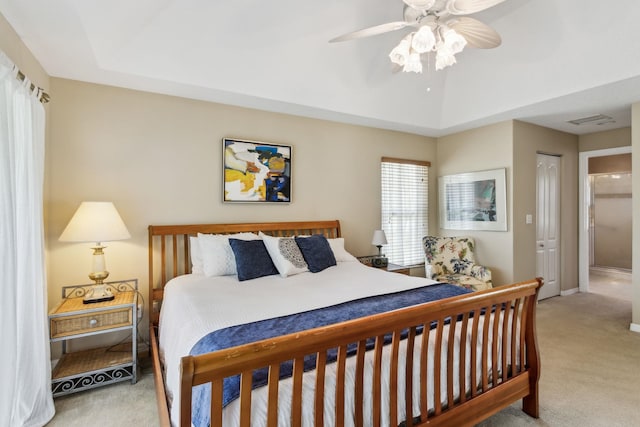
(256, 171)
(473, 201)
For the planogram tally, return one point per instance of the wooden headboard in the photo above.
(169, 248)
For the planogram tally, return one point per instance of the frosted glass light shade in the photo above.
(95, 222)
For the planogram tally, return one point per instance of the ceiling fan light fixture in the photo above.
(423, 40)
(400, 54)
(414, 64)
(444, 58)
(453, 41)
(436, 32)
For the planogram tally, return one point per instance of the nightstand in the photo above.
(393, 268)
(73, 319)
(396, 268)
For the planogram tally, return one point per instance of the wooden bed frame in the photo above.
(505, 376)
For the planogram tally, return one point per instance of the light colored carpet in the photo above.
(589, 372)
(121, 404)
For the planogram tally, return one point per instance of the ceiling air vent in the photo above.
(599, 120)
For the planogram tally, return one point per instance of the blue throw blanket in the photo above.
(269, 328)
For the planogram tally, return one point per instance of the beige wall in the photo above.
(485, 148)
(158, 158)
(514, 145)
(605, 139)
(529, 140)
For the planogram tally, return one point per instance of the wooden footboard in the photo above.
(491, 332)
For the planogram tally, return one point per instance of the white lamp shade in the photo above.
(379, 238)
(95, 222)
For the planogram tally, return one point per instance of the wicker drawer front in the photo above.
(91, 322)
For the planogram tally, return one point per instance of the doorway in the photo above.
(587, 257)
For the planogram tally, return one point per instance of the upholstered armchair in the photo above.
(452, 260)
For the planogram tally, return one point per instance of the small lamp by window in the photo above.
(96, 222)
(379, 239)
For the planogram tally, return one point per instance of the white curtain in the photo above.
(25, 367)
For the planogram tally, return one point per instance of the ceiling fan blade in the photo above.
(371, 31)
(466, 7)
(476, 33)
(419, 4)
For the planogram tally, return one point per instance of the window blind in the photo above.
(405, 206)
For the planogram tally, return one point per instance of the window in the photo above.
(405, 206)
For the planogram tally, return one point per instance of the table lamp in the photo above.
(96, 222)
(379, 239)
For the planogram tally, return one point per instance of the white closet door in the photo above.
(548, 224)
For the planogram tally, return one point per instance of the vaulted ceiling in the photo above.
(559, 59)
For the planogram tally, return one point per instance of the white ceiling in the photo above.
(559, 60)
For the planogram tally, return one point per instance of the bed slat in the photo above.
(296, 403)
(274, 380)
(485, 350)
(377, 380)
(437, 366)
(393, 378)
(359, 383)
(340, 379)
(424, 372)
(246, 382)
(408, 377)
(514, 335)
(321, 362)
(505, 340)
(495, 362)
(474, 351)
(216, 403)
(451, 341)
(463, 358)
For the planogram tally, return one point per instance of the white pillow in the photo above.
(196, 256)
(285, 254)
(217, 256)
(341, 254)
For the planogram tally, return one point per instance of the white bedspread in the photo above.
(195, 305)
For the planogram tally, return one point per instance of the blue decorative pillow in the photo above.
(316, 252)
(252, 259)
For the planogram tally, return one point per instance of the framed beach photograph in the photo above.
(256, 171)
(473, 201)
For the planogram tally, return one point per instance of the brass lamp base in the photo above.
(100, 292)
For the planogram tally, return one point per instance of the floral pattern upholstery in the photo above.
(452, 260)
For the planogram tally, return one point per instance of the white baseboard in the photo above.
(569, 292)
(634, 327)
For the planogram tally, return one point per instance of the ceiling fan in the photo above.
(438, 28)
